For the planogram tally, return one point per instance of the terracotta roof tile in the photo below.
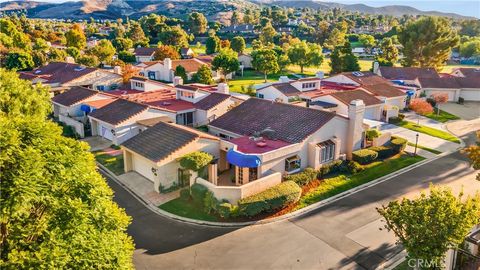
(190, 65)
(73, 96)
(366, 78)
(211, 101)
(58, 72)
(407, 73)
(348, 96)
(384, 90)
(118, 111)
(143, 51)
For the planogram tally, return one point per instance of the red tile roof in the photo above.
(211, 101)
(190, 65)
(118, 111)
(58, 72)
(73, 96)
(142, 51)
(100, 103)
(348, 96)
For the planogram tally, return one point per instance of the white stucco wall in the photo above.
(271, 93)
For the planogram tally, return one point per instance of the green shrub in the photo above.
(394, 120)
(210, 203)
(195, 161)
(225, 210)
(354, 167)
(383, 151)
(185, 194)
(198, 193)
(398, 144)
(273, 198)
(303, 178)
(401, 116)
(372, 133)
(335, 166)
(364, 156)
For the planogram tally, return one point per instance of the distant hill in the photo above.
(213, 9)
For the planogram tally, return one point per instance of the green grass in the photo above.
(113, 163)
(187, 209)
(425, 148)
(442, 117)
(428, 130)
(335, 185)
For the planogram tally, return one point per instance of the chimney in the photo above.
(319, 74)
(223, 88)
(167, 63)
(117, 70)
(283, 79)
(177, 80)
(376, 69)
(69, 60)
(356, 110)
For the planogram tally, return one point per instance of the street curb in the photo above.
(295, 214)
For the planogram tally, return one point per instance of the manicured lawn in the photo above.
(442, 117)
(186, 209)
(335, 185)
(425, 148)
(428, 130)
(113, 163)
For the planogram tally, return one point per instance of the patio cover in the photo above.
(243, 160)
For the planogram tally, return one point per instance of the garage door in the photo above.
(105, 132)
(451, 94)
(472, 95)
(143, 167)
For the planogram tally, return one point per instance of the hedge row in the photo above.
(271, 199)
(309, 174)
(364, 156)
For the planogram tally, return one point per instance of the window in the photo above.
(292, 163)
(308, 85)
(186, 94)
(185, 119)
(139, 84)
(327, 151)
(260, 96)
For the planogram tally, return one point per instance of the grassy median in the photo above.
(429, 131)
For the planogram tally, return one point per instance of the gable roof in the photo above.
(190, 65)
(58, 72)
(407, 73)
(451, 82)
(290, 123)
(144, 51)
(384, 90)
(348, 96)
(73, 96)
(365, 77)
(285, 88)
(158, 142)
(211, 101)
(118, 111)
(470, 72)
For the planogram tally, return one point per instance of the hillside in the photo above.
(213, 9)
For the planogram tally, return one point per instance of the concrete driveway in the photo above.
(468, 111)
(97, 143)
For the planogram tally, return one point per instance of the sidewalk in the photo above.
(420, 152)
(413, 117)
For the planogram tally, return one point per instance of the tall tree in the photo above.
(389, 54)
(122, 44)
(19, 60)
(368, 41)
(305, 54)
(197, 23)
(470, 48)
(180, 71)
(265, 60)
(226, 62)
(104, 50)
(56, 210)
(430, 225)
(76, 38)
(174, 36)
(203, 75)
(473, 152)
(212, 45)
(238, 44)
(267, 34)
(427, 42)
(137, 35)
(336, 62)
(342, 59)
(335, 38)
(166, 51)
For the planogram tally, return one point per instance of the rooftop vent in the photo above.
(357, 73)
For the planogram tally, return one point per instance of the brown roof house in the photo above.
(467, 88)
(60, 76)
(287, 90)
(144, 54)
(466, 72)
(154, 153)
(263, 140)
(406, 75)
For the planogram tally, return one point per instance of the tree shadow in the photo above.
(366, 258)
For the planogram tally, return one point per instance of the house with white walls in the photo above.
(287, 90)
(467, 88)
(144, 54)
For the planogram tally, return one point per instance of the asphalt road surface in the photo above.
(342, 235)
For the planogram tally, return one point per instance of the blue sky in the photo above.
(463, 7)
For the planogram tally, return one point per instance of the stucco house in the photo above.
(61, 76)
(154, 153)
(187, 53)
(144, 54)
(165, 70)
(467, 88)
(407, 76)
(286, 90)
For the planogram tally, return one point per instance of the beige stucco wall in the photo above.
(270, 93)
(204, 117)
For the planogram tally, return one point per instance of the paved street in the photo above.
(342, 235)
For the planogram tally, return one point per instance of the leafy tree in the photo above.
(305, 54)
(195, 161)
(88, 60)
(224, 43)
(16, 38)
(427, 42)
(430, 225)
(473, 153)
(336, 61)
(350, 61)
(55, 54)
(470, 28)
(73, 52)
(40, 45)
(127, 57)
(265, 60)
(212, 45)
(166, 51)
(267, 34)
(19, 60)
(174, 36)
(421, 107)
(335, 38)
(128, 72)
(180, 71)
(104, 50)
(368, 41)
(389, 53)
(39, 58)
(197, 23)
(440, 98)
(238, 44)
(137, 35)
(203, 75)
(235, 19)
(56, 210)
(122, 44)
(76, 38)
(226, 62)
(470, 48)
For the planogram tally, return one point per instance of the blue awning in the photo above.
(243, 160)
(85, 108)
(410, 93)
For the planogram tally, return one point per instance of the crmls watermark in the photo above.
(421, 263)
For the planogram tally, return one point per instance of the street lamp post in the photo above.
(416, 144)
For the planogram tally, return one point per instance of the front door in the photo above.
(183, 177)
